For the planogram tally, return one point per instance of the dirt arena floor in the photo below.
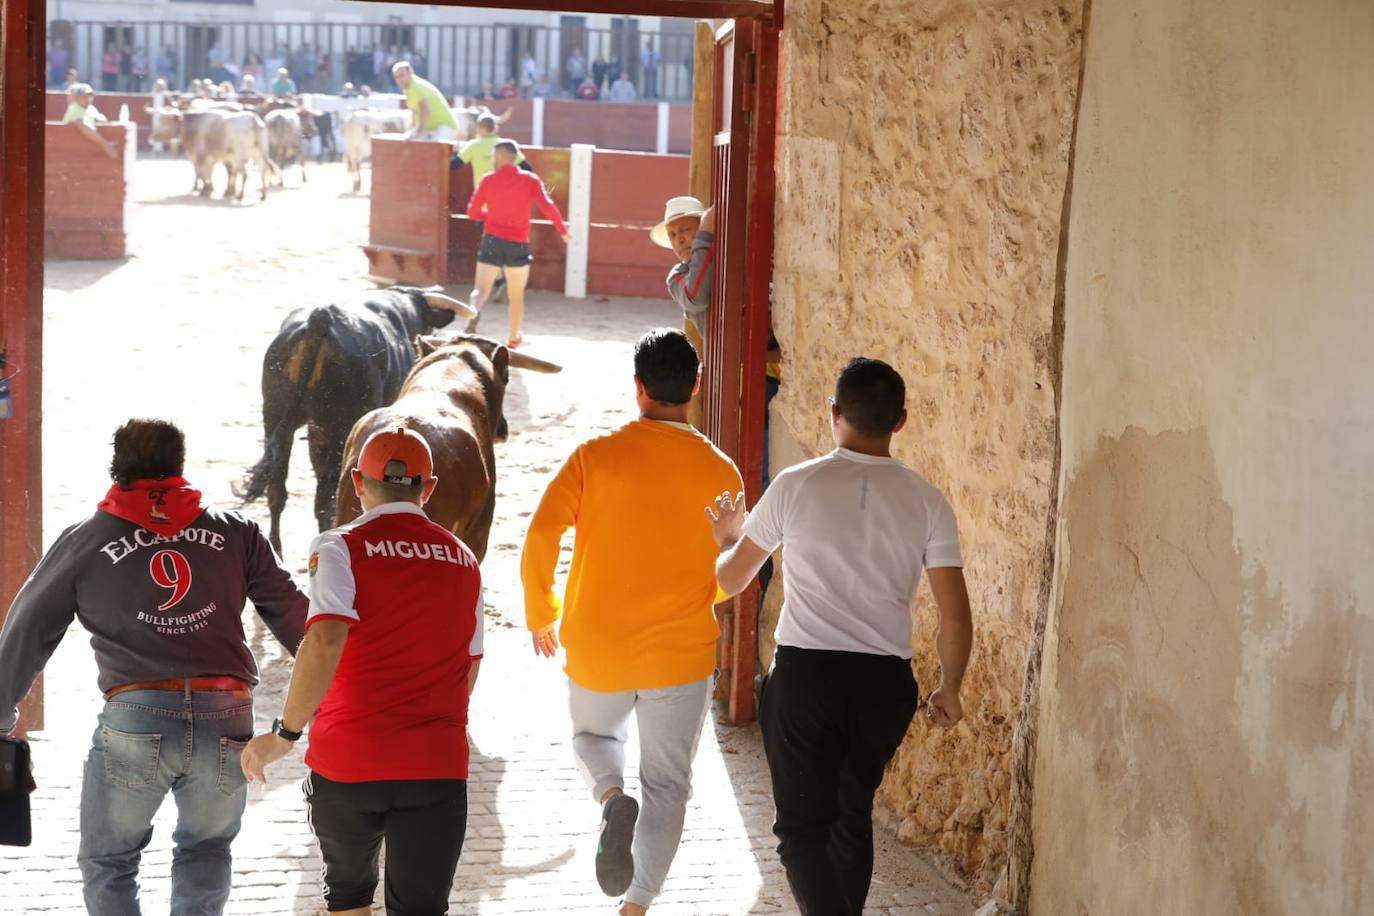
(178, 330)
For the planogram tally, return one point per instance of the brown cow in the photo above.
(453, 397)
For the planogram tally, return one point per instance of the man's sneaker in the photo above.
(615, 862)
(472, 323)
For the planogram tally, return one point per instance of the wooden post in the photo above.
(579, 221)
(758, 280)
(703, 104)
(699, 184)
(21, 302)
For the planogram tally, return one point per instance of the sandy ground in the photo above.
(177, 330)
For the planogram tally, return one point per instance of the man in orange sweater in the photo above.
(638, 622)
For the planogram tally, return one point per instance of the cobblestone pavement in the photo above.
(178, 330)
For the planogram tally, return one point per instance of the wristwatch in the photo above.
(280, 730)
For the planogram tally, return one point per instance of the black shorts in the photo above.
(422, 822)
(504, 253)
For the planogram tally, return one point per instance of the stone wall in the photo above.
(1207, 718)
(922, 165)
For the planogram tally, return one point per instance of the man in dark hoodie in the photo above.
(160, 581)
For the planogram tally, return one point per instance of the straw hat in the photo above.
(676, 209)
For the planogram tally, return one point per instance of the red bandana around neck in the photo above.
(164, 506)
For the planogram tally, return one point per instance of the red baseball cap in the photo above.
(397, 455)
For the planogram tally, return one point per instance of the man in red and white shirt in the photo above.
(392, 647)
(503, 200)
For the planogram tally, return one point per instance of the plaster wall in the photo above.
(923, 156)
(1206, 743)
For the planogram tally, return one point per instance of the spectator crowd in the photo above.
(128, 67)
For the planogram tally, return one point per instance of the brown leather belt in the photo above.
(181, 684)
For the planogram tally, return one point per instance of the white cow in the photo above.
(211, 137)
(364, 123)
(359, 129)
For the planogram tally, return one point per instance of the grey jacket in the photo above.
(156, 607)
(690, 282)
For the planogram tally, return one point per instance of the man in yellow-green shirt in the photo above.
(638, 621)
(478, 153)
(433, 118)
(82, 113)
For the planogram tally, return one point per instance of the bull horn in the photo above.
(533, 363)
(440, 301)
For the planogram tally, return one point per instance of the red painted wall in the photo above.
(83, 195)
(408, 227)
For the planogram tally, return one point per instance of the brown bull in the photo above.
(454, 398)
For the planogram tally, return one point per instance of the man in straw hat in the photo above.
(689, 229)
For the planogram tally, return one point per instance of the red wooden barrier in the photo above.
(84, 193)
(631, 126)
(107, 103)
(628, 191)
(606, 125)
(680, 129)
(621, 261)
(408, 239)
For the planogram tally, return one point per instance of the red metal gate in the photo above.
(743, 145)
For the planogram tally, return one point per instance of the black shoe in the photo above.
(615, 862)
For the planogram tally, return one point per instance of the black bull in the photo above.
(327, 367)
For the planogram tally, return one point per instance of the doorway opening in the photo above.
(739, 148)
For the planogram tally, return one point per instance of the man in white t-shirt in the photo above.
(857, 528)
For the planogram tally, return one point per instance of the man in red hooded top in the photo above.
(160, 580)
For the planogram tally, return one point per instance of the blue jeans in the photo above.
(149, 742)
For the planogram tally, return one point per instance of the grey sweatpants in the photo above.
(670, 723)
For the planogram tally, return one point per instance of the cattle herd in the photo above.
(347, 369)
(272, 133)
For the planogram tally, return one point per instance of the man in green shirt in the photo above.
(478, 153)
(433, 119)
(82, 114)
(284, 84)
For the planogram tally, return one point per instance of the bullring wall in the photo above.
(922, 164)
(1207, 727)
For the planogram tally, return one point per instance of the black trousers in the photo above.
(831, 721)
(422, 821)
